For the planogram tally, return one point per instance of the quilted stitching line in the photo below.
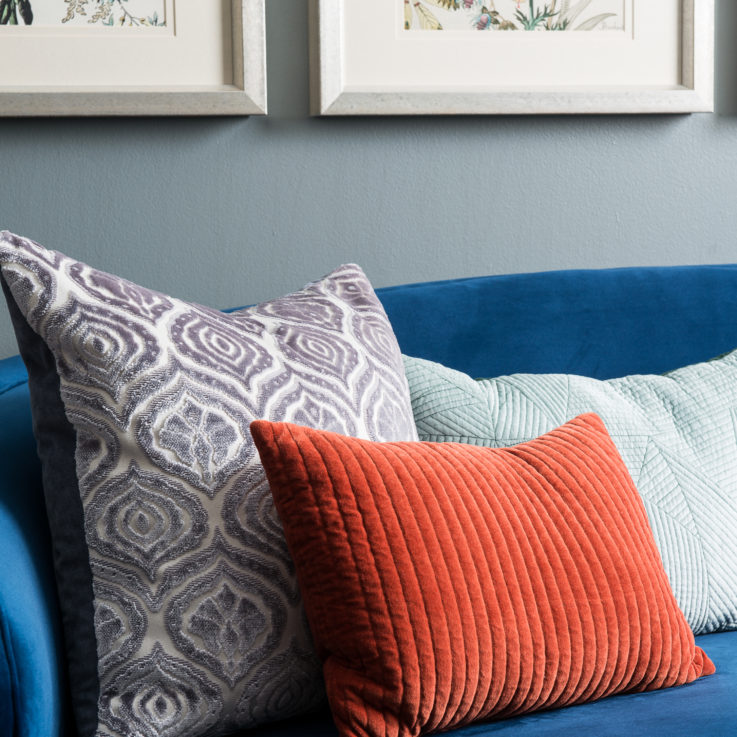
(427, 473)
(417, 576)
(359, 569)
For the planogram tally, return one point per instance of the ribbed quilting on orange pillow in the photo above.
(447, 583)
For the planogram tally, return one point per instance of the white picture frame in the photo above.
(343, 84)
(232, 46)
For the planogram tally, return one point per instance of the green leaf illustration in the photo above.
(591, 23)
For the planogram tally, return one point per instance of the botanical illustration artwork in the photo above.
(513, 15)
(116, 13)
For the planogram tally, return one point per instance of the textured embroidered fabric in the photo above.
(181, 609)
(446, 583)
(675, 432)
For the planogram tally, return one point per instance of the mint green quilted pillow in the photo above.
(677, 434)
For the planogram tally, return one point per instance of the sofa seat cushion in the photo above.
(705, 707)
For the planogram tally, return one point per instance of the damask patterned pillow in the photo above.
(181, 610)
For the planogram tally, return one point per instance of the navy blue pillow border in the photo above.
(56, 444)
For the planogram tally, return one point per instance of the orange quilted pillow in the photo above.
(447, 583)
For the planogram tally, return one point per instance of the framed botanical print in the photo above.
(511, 56)
(132, 57)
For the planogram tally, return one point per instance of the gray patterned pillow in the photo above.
(181, 609)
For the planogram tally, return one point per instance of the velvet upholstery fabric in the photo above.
(7, 716)
(29, 612)
(600, 323)
(446, 583)
(12, 373)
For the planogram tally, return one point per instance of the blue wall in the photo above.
(230, 211)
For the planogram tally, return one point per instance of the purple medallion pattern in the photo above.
(197, 614)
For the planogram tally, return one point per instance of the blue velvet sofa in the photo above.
(601, 323)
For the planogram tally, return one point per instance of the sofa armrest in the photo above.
(32, 685)
(7, 716)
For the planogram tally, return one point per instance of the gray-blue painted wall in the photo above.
(233, 211)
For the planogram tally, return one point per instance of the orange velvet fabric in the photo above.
(446, 583)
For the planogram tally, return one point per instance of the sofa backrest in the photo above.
(599, 323)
